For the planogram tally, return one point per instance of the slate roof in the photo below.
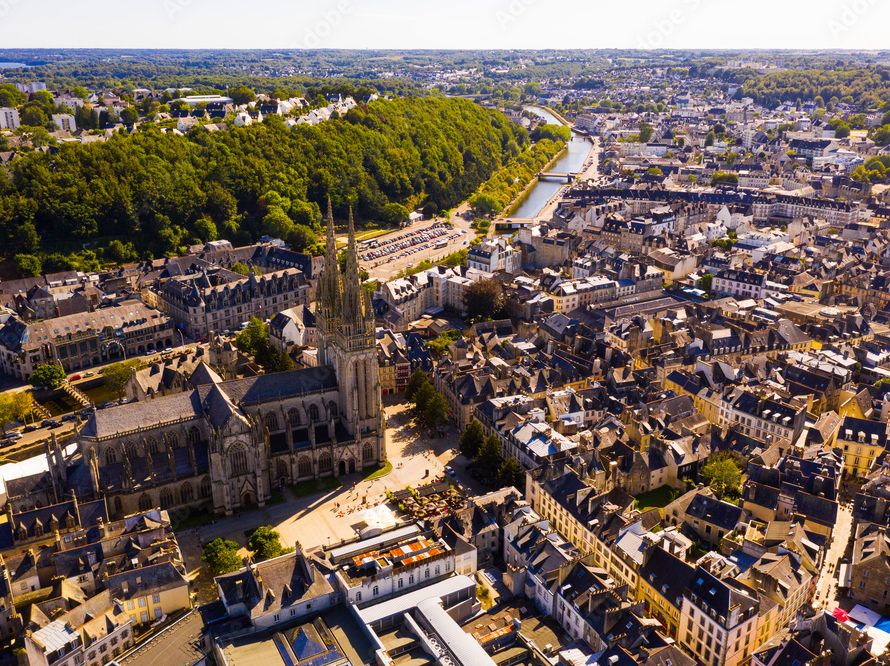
(217, 401)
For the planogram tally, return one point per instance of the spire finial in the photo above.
(331, 240)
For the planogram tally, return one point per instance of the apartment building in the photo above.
(718, 621)
(861, 441)
(91, 634)
(9, 118)
(219, 300)
(371, 570)
(84, 339)
(495, 255)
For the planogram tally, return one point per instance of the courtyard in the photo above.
(337, 511)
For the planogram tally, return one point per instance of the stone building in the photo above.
(227, 444)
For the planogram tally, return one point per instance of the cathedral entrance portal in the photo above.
(351, 466)
(247, 498)
(342, 467)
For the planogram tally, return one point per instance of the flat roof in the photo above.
(404, 602)
(370, 543)
(462, 645)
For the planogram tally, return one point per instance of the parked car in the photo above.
(73, 378)
(69, 417)
(12, 436)
(31, 427)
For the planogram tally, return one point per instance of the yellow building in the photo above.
(862, 441)
(150, 593)
(660, 587)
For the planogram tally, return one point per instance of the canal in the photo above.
(572, 160)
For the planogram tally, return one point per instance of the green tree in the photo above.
(7, 411)
(490, 456)
(725, 177)
(244, 269)
(129, 116)
(842, 130)
(394, 215)
(881, 135)
(471, 439)
(121, 252)
(434, 412)
(646, 132)
(118, 374)
(277, 224)
(723, 475)
(265, 543)
(552, 133)
(301, 237)
(10, 96)
(254, 336)
(705, 282)
(23, 405)
(28, 265)
(486, 204)
(48, 375)
(710, 139)
(242, 95)
(484, 299)
(33, 116)
(221, 555)
(206, 229)
(510, 473)
(417, 379)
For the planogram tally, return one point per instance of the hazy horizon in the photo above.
(459, 25)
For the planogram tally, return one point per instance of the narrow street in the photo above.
(826, 587)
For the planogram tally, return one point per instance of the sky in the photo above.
(452, 24)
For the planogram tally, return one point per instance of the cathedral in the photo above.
(227, 444)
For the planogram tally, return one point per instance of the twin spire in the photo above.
(342, 300)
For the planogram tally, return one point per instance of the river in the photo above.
(572, 160)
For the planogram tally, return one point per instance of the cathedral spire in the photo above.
(331, 241)
(353, 311)
(328, 297)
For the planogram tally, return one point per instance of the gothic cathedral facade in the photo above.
(226, 445)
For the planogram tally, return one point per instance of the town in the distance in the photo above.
(458, 358)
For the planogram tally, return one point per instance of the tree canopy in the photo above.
(471, 439)
(254, 340)
(160, 191)
(484, 299)
(118, 374)
(265, 543)
(723, 475)
(48, 375)
(221, 555)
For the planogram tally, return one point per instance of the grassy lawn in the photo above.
(100, 393)
(658, 498)
(381, 471)
(315, 486)
(372, 233)
(192, 520)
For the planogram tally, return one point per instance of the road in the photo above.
(589, 171)
(826, 588)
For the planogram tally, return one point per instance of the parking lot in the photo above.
(386, 256)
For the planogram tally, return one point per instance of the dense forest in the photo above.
(866, 87)
(150, 193)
